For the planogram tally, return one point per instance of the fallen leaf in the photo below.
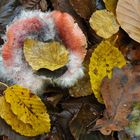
(122, 135)
(133, 128)
(128, 16)
(12, 120)
(133, 53)
(28, 108)
(111, 5)
(35, 4)
(84, 8)
(119, 94)
(83, 87)
(87, 115)
(39, 55)
(104, 23)
(104, 58)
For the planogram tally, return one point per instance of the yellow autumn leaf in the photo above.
(52, 55)
(111, 5)
(28, 108)
(104, 58)
(16, 124)
(104, 23)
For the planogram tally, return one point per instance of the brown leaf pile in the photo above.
(72, 114)
(119, 93)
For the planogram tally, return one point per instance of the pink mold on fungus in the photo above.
(44, 27)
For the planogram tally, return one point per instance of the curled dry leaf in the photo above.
(104, 23)
(39, 55)
(26, 109)
(84, 8)
(128, 15)
(111, 5)
(104, 58)
(119, 94)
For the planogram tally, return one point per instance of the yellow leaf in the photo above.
(128, 16)
(104, 23)
(111, 5)
(28, 108)
(39, 55)
(17, 125)
(104, 58)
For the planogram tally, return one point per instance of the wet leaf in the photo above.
(27, 109)
(84, 8)
(87, 115)
(119, 94)
(111, 5)
(104, 58)
(39, 55)
(34, 4)
(104, 23)
(128, 16)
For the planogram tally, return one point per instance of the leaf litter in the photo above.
(75, 113)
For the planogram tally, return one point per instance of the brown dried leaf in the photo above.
(119, 93)
(133, 53)
(83, 86)
(87, 115)
(128, 16)
(35, 4)
(84, 8)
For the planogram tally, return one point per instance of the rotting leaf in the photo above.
(133, 52)
(39, 55)
(104, 23)
(28, 108)
(84, 8)
(34, 4)
(134, 121)
(83, 86)
(122, 135)
(119, 94)
(104, 58)
(87, 114)
(128, 16)
(111, 5)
